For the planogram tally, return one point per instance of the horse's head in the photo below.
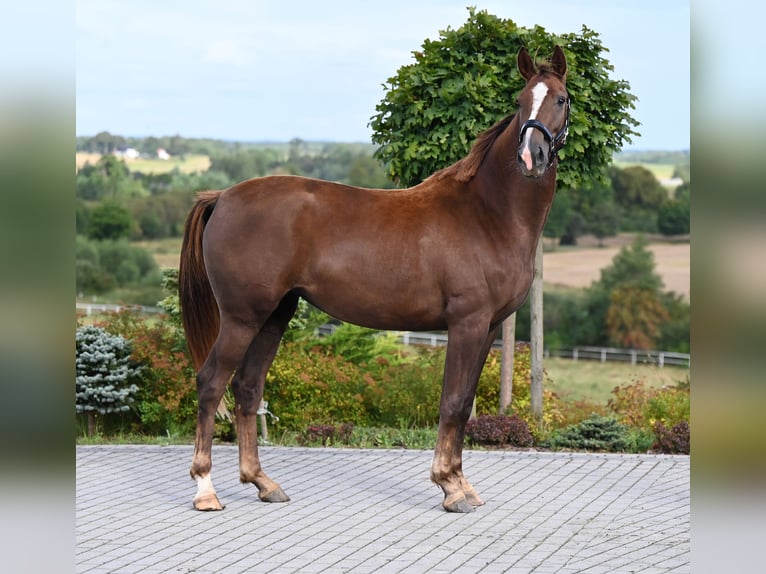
(543, 111)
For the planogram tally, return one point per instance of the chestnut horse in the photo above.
(454, 252)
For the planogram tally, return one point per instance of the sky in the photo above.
(278, 70)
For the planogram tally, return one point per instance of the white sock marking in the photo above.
(204, 485)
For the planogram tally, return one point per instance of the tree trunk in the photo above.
(536, 335)
(506, 364)
(91, 423)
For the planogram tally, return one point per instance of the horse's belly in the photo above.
(386, 307)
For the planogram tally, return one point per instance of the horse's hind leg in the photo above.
(247, 384)
(233, 340)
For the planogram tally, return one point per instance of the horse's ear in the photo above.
(559, 62)
(526, 66)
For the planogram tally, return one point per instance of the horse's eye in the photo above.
(562, 100)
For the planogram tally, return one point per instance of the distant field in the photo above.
(187, 164)
(580, 266)
(165, 251)
(660, 170)
(594, 381)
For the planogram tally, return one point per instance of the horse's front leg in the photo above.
(467, 349)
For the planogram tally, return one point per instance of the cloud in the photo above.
(225, 52)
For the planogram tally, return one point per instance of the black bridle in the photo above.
(554, 143)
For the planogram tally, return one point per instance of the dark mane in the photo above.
(463, 170)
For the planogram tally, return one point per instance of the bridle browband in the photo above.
(554, 143)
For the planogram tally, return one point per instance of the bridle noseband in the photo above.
(554, 143)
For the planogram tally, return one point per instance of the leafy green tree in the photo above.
(635, 317)
(586, 199)
(640, 195)
(104, 374)
(366, 172)
(104, 143)
(82, 216)
(604, 221)
(633, 277)
(244, 164)
(633, 267)
(104, 265)
(683, 192)
(636, 186)
(109, 178)
(462, 83)
(162, 215)
(675, 333)
(559, 216)
(673, 217)
(109, 220)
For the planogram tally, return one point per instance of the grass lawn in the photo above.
(594, 380)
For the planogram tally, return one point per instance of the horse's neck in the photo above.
(518, 203)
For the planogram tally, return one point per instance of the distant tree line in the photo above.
(633, 200)
(116, 205)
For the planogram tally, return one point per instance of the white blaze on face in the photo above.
(538, 95)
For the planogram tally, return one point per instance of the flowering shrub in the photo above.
(488, 392)
(166, 397)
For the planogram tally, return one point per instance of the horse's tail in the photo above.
(199, 309)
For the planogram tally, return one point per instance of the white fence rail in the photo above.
(97, 308)
(602, 354)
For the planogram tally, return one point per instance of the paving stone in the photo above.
(359, 511)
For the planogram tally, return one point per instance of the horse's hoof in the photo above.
(275, 495)
(207, 503)
(457, 503)
(473, 498)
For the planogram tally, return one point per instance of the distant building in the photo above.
(162, 154)
(127, 153)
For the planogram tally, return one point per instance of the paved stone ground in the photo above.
(364, 511)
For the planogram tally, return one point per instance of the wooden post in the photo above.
(536, 335)
(506, 363)
(264, 431)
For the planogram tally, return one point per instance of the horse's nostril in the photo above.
(540, 154)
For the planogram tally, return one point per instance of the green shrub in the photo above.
(306, 386)
(105, 375)
(641, 407)
(405, 394)
(595, 433)
(101, 266)
(488, 393)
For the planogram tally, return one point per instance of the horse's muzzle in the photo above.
(533, 160)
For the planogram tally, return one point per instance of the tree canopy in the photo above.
(462, 83)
